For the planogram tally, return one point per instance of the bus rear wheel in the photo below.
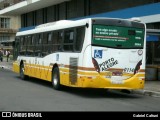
(22, 75)
(56, 79)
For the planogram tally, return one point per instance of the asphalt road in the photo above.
(38, 95)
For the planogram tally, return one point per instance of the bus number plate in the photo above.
(116, 81)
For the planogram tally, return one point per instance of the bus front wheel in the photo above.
(56, 79)
(22, 75)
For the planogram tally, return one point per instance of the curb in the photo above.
(147, 93)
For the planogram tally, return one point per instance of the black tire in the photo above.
(22, 75)
(56, 79)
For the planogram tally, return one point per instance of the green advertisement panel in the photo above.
(117, 36)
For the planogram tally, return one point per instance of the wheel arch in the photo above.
(54, 66)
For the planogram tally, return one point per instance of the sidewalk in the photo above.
(152, 87)
(5, 64)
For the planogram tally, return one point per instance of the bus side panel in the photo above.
(16, 67)
(64, 76)
(26, 69)
(37, 71)
(46, 73)
(32, 68)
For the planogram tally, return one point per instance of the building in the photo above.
(8, 28)
(35, 12)
(9, 25)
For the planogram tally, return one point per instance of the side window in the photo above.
(16, 48)
(22, 46)
(68, 40)
(50, 42)
(30, 46)
(33, 39)
(60, 40)
(57, 37)
(47, 40)
(79, 38)
(25, 44)
(39, 39)
(38, 43)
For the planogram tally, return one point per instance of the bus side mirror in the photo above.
(87, 25)
(135, 19)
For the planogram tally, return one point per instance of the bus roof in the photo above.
(54, 26)
(62, 24)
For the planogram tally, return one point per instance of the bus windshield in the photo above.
(118, 36)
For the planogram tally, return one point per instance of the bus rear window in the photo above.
(117, 36)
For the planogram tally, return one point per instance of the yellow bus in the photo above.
(87, 53)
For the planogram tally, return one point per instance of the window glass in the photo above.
(47, 44)
(79, 38)
(4, 22)
(30, 46)
(68, 40)
(22, 46)
(49, 37)
(38, 47)
(57, 41)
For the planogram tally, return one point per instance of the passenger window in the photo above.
(79, 38)
(68, 40)
(38, 48)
